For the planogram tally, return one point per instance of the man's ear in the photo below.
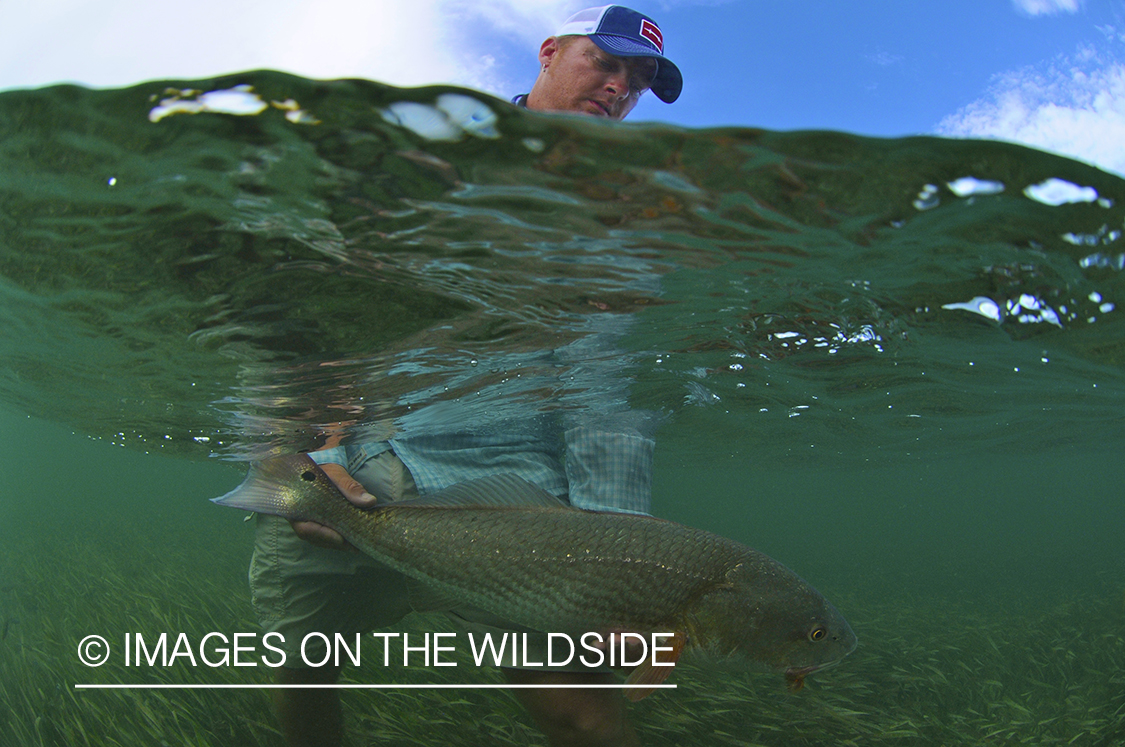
(548, 50)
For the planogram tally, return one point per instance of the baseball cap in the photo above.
(624, 32)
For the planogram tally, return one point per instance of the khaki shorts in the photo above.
(299, 588)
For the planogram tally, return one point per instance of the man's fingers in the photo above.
(349, 486)
(322, 536)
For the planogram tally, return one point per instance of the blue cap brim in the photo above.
(668, 82)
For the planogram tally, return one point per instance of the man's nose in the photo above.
(617, 84)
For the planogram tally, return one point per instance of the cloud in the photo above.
(1047, 7)
(885, 59)
(412, 43)
(1074, 105)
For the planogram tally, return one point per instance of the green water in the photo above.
(771, 303)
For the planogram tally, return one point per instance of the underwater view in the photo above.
(895, 366)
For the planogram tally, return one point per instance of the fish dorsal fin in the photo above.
(495, 491)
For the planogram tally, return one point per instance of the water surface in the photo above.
(894, 365)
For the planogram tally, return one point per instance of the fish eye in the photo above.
(817, 634)
(308, 476)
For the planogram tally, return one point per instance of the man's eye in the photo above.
(640, 83)
(601, 61)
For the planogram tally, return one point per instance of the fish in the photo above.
(505, 546)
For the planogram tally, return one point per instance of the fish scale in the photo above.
(517, 557)
(506, 547)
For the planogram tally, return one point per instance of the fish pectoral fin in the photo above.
(649, 673)
(423, 597)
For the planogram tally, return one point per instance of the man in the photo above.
(600, 63)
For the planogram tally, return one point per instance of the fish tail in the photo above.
(275, 486)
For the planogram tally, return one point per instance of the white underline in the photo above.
(270, 686)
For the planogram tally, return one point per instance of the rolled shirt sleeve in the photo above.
(336, 455)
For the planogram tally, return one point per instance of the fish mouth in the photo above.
(795, 676)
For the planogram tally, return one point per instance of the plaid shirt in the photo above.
(594, 456)
(594, 469)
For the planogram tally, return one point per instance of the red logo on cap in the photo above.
(650, 31)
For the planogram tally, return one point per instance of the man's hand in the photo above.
(322, 536)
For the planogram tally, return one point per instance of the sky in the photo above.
(1045, 73)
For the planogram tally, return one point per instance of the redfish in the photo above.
(507, 547)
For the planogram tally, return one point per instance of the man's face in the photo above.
(584, 79)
